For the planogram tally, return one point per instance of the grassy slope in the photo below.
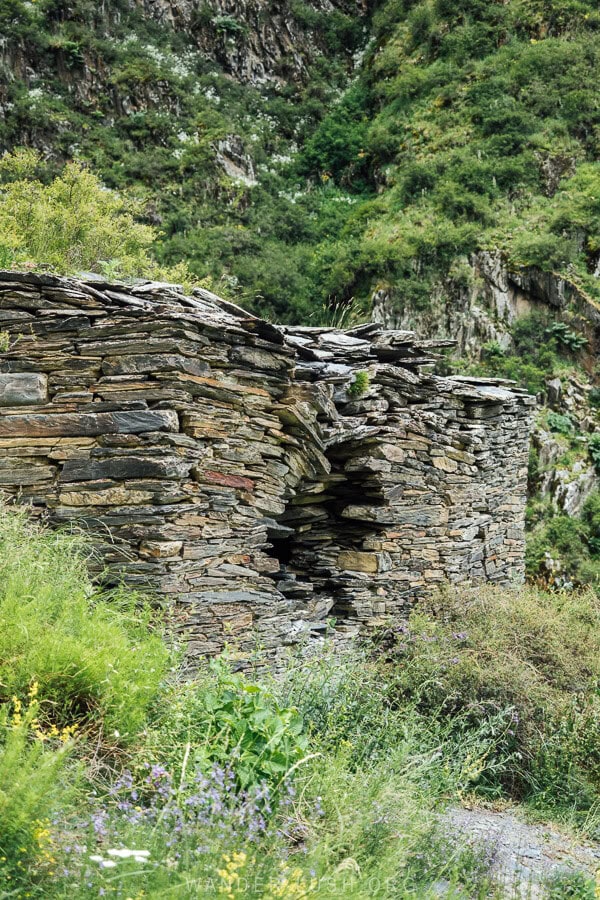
(478, 110)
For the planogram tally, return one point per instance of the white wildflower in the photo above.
(124, 853)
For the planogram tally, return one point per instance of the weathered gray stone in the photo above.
(124, 467)
(67, 424)
(23, 389)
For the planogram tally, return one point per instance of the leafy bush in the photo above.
(92, 654)
(533, 358)
(594, 397)
(590, 518)
(229, 25)
(559, 423)
(594, 450)
(73, 223)
(229, 720)
(570, 339)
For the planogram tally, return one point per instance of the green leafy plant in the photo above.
(594, 397)
(227, 718)
(572, 543)
(559, 423)
(565, 336)
(229, 25)
(571, 886)
(594, 451)
(590, 518)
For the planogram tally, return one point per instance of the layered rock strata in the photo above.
(263, 478)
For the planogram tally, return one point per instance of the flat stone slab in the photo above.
(70, 424)
(23, 389)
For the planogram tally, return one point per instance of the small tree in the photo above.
(72, 222)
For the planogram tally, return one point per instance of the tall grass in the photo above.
(527, 663)
(92, 654)
(329, 780)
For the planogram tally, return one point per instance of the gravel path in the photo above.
(524, 856)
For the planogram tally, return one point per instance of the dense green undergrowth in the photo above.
(564, 551)
(468, 126)
(117, 779)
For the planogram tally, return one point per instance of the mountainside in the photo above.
(432, 164)
(352, 150)
(194, 107)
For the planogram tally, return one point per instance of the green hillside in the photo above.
(467, 125)
(483, 133)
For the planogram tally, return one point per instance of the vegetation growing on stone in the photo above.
(360, 385)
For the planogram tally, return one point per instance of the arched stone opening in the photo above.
(328, 559)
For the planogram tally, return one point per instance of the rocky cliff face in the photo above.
(484, 300)
(254, 41)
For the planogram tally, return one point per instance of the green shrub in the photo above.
(590, 517)
(565, 336)
(229, 25)
(594, 397)
(564, 537)
(531, 360)
(533, 471)
(594, 450)
(92, 654)
(73, 222)
(559, 423)
(228, 719)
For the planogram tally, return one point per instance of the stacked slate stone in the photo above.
(427, 475)
(245, 471)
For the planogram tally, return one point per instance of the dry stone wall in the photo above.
(238, 469)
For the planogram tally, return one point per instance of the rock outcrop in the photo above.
(485, 301)
(252, 41)
(264, 478)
